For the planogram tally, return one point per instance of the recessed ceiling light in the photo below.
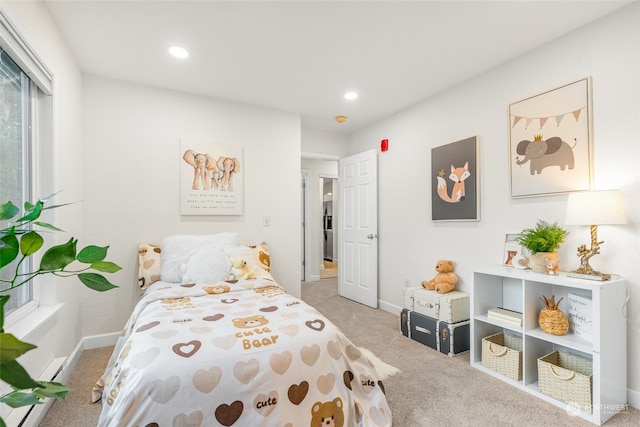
(350, 95)
(178, 52)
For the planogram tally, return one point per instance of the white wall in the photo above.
(132, 174)
(410, 243)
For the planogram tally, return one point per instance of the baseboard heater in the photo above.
(31, 416)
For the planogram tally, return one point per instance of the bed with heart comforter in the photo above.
(237, 353)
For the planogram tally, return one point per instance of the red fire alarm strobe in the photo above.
(384, 145)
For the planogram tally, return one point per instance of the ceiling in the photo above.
(302, 56)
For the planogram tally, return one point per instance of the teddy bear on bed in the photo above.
(240, 269)
(445, 281)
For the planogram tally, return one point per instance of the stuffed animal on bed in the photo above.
(240, 269)
(445, 281)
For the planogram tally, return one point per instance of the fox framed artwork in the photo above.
(550, 141)
(454, 181)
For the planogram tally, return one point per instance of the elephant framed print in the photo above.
(550, 141)
(454, 181)
(211, 178)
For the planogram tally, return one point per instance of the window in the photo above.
(15, 159)
(26, 135)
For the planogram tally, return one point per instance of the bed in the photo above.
(215, 340)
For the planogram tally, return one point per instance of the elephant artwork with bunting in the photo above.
(542, 154)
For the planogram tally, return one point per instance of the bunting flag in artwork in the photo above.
(542, 120)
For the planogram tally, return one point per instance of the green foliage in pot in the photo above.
(19, 240)
(544, 237)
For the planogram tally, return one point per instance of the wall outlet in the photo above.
(266, 221)
(407, 283)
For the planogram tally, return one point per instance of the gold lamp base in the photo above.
(593, 275)
(585, 271)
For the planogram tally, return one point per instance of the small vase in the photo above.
(538, 260)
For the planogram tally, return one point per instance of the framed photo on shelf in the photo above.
(454, 181)
(514, 255)
(550, 141)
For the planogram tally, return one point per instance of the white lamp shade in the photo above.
(595, 208)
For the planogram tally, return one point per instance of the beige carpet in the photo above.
(431, 389)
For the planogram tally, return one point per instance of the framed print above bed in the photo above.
(454, 181)
(550, 141)
(211, 178)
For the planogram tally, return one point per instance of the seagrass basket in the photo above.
(567, 377)
(503, 353)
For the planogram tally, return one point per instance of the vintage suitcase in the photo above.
(453, 338)
(405, 325)
(452, 307)
(408, 296)
(424, 329)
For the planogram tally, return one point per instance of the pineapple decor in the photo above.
(551, 319)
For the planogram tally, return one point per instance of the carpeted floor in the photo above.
(431, 390)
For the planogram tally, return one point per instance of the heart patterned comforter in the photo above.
(236, 354)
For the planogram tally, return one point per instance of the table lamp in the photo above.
(593, 208)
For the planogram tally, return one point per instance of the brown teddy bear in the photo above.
(445, 281)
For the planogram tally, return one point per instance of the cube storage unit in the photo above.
(520, 290)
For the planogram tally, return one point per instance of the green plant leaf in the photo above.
(95, 281)
(52, 389)
(8, 211)
(12, 348)
(17, 399)
(9, 248)
(3, 301)
(59, 256)
(46, 225)
(15, 375)
(30, 243)
(106, 266)
(92, 254)
(34, 211)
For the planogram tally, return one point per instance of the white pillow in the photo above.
(206, 266)
(177, 251)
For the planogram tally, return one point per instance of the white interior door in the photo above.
(358, 225)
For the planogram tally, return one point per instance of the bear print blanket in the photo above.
(236, 354)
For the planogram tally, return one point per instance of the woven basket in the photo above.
(567, 377)
(503, 353)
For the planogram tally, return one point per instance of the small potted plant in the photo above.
(542, 242)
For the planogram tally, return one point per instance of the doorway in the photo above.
(329, 268)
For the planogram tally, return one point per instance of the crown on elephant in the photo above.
(537, 137)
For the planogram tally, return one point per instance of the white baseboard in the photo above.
(34, 416)
(633, 397)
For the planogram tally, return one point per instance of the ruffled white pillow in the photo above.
(196, 258)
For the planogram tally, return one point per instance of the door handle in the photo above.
(372, 236)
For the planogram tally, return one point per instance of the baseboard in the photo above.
(633, 397)
(34, 416)
(391, 308)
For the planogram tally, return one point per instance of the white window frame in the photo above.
(41, 134)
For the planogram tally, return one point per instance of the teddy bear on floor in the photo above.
(445, 281)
